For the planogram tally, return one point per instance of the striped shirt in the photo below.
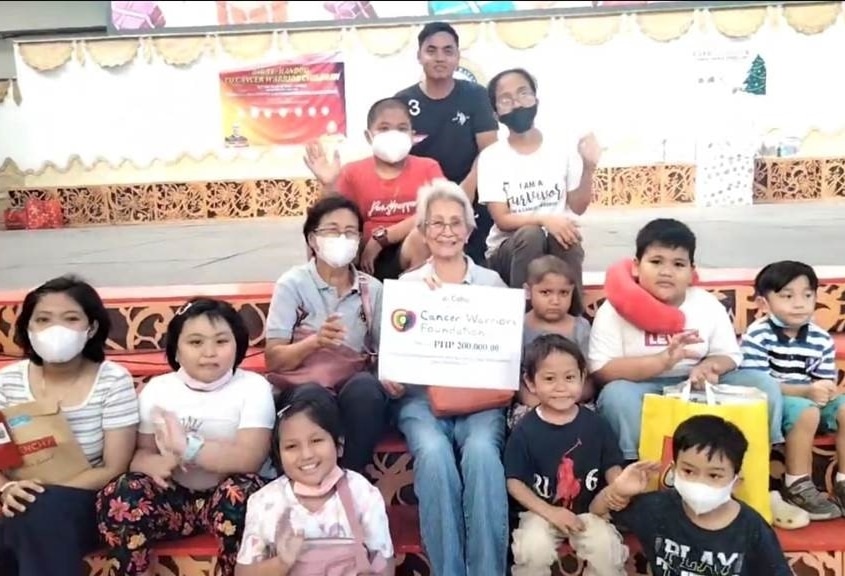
(112, 403)
(808, 357)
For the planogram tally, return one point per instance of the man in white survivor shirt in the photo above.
(533, 186)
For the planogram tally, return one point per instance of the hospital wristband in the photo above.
(192, 450)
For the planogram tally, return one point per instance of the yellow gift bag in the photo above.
(743, 406)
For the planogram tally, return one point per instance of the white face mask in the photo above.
(58, 344)
(702, 498)
(392, 146)
(337, 251)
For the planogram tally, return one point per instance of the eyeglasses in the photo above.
(523, 98)
(334, 232)
(439, 227)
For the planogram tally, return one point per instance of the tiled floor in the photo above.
(216, 252)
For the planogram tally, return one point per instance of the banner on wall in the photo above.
(284, 104)
(168, 16)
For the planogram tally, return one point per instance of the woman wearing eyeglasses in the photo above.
(323, 328)
(534, 186)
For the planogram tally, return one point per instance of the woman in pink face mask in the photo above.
(204, 435)
(62, 330)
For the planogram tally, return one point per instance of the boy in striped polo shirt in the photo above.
(802, 357)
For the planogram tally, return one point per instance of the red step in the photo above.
(404, 529)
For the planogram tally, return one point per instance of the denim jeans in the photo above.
(462, 497)
(621, 403)
(53, 536)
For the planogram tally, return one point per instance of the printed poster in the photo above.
(459, 336)
(284, 104)
(167, 15)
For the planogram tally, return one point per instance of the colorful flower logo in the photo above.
(403, 320)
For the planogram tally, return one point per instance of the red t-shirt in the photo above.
(385, 202)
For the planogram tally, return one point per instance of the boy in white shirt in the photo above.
(629, 363)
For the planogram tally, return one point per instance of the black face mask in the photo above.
(520, 120)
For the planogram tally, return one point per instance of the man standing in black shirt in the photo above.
(452, 120)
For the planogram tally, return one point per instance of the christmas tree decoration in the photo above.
(755, 81)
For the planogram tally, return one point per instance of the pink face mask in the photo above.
(326, 486)
(195, 384)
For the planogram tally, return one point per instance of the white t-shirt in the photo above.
(268, 505)
(535, 183)
(246, 401)
(614, 337)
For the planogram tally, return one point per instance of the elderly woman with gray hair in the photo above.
(462, 496)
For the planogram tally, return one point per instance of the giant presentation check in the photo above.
(457, 335)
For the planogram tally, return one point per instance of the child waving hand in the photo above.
(318, 518)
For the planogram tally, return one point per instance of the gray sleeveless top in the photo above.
(581, 335)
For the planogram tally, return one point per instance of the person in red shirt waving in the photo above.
(384, 186)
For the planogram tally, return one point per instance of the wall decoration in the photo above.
(471, 72)
(755, 81)
(642, 82)
(664, 185)
(283, 104)
(799, 179)
(726, 173)
(129, 17)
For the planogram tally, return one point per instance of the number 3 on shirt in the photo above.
(414, 107)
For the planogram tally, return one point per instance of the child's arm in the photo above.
(723, 351)
(826, 370)
(374, 523)
(607, 352)
(724, 354)
(608, 500)
(630, 482)
(635, 369)
(612, 474)
(558, 516)
(254, 556)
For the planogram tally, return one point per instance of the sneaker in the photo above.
(804, 494)
(839, 494)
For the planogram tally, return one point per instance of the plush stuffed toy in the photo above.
(599, 545)
(637, 306)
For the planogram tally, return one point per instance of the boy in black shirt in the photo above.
(696, 528)
(556, 460)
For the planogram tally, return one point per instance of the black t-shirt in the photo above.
(449, 125)
(675, 546)
(564, 465)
